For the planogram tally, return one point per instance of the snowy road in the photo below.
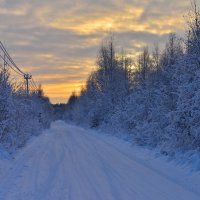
(69, 163)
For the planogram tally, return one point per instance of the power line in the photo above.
(8, 61)
(10, 65)
(34, 82)
(34, 85)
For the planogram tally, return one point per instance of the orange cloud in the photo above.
(125, 20)
(57, 41)
(94, 22)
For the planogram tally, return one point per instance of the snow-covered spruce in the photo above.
(154, 99)
(20, 116)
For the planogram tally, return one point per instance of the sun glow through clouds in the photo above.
(57, 41)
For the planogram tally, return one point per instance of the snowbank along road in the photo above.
(70, 163)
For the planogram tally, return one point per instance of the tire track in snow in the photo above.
(69, 163)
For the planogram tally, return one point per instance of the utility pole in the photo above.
(27, 77)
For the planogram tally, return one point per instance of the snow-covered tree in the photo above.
(154, 99)
(21, 116)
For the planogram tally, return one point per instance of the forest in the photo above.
(105, 101)
(153, 99)
(21, 116)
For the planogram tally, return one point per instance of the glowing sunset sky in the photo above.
(57, 40)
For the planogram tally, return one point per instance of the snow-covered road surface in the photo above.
(70, 163)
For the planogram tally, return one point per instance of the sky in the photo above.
(57, 41)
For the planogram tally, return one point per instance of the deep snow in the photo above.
(68, 162)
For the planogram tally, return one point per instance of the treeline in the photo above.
(155, 98)
(21, 116)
